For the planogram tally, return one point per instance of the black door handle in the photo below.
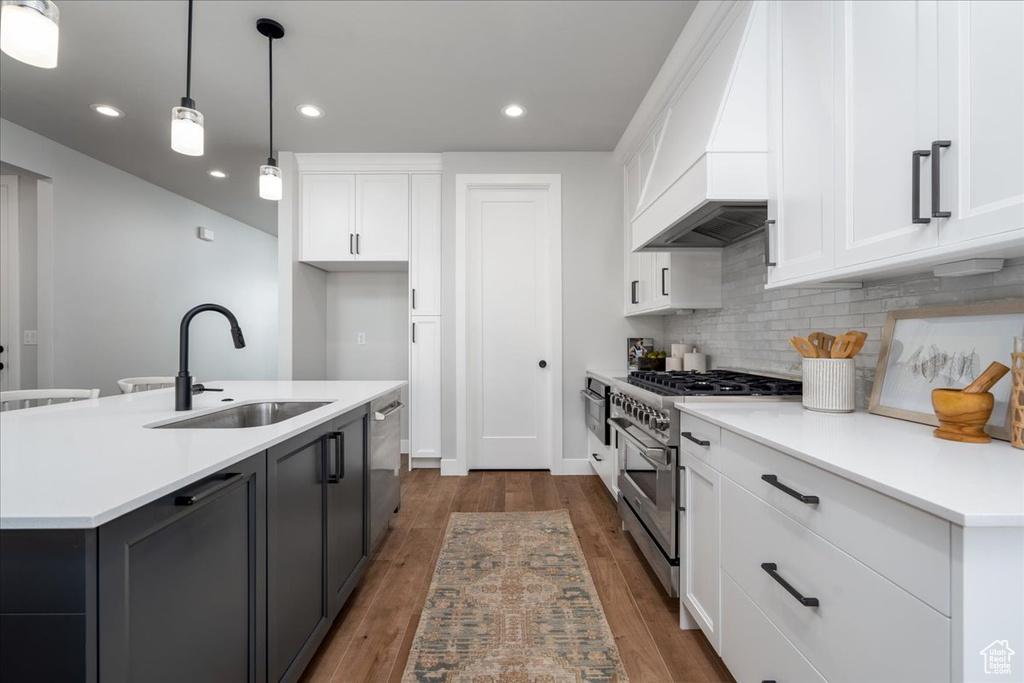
(915, 186)
(936, 182)
(772, 570)
(543, 363)
(774, 481)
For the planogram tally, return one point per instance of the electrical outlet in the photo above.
(31, 338)
(361, 338)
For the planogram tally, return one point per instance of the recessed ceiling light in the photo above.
(514, 111)
(310, 110)
(107, 110)
(218, 174)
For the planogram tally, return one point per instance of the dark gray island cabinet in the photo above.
(236, 577)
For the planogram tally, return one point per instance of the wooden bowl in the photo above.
(962, 417)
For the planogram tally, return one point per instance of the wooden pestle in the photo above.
(986, 380)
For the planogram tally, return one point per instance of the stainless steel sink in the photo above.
(247, 415)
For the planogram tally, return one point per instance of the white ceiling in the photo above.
(419, 76)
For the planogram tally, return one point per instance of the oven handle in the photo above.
(620, 426)
(592, 396)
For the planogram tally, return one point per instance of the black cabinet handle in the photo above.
(772, 570)
(414, 333)
(596, 457)
(357, 243)
(632, 292)
(936, 182)
(207, 493)
(414, 298)
(338, 438)
(768, 681)
(691, 437)
(664, 272)
(915, 184)
(351, 242)
(768, 243)
(774, 481)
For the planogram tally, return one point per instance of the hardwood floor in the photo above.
(371, 638)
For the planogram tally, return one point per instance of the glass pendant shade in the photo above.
(29, 31)
(187, 131)
(271, 185)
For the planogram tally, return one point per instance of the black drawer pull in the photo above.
(596, 457)
(772, 570)
(338, 439)
(691, 437)
(774, 481)
(206, 493)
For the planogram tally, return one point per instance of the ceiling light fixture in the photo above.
(107, 110)
(514, 111)
(271, 185)
(218, 174)
(186, 121)
(310, 110)
(30, 31)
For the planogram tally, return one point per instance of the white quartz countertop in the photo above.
(967, 484)
(606, 375)
(79, 465)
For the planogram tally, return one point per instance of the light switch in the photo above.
(31, 338)
(361, 338)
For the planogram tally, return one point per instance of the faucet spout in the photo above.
(183, 382)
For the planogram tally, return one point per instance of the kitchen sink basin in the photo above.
(246, 415)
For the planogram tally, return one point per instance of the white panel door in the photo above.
(328, 217)
(801, 133)
(382, 217)
(425, 245)
(700, 576)
(886, 108)
(8, 286)
(425, 387)
(511, 326)
(981, 71)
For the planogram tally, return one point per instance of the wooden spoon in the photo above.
(822, 342)
(848, 345)
(803, 347)
(986, 380)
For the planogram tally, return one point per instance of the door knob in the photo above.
(543, 363)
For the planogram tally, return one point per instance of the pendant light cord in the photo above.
(188, 66)
(270, 51)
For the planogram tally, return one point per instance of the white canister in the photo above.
(695, 361)
(830, 385)
(680, 350)
(674, 364)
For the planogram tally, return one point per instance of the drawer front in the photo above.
(906, 545)
(864, 627)
(753, 649)
(693, 430)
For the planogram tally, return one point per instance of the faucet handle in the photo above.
(200, 388)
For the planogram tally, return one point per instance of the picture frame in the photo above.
(944, 346)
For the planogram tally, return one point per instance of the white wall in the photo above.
(594, 331)
(126, 265)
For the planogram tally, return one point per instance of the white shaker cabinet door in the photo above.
(981, 114)
(801, 198)
(631, 197)
(327, 217)
(425, 245)
(382, 217)
(700, 576)
(425, 387)
(886, 108)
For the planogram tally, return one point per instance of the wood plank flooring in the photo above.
(371, 638)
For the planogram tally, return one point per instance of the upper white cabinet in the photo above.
(328, 216)
(425, 245)
(382, 217)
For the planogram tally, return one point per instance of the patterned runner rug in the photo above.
(512, 601)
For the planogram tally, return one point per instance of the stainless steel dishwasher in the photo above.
(385, 463)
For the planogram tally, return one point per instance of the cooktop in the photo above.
(713, 383)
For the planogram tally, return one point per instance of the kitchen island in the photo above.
(224, 553)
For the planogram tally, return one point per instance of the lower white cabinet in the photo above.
(425, 388)
(602, 459)
(700, 589)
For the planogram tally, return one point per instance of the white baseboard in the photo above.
(452, 468)
(577, 466)
(424, 463)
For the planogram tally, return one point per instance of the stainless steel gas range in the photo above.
(646, 432)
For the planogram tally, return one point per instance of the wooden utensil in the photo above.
(803, 347)
(849, 344)
(822, 343)
(986, 380)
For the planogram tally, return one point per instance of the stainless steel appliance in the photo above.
(646, 431)
(596, 394)
(385, 463)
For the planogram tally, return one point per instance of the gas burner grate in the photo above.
(714, 383)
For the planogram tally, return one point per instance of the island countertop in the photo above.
(80, 465)
(966, 484)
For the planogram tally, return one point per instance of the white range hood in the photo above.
(708, 184)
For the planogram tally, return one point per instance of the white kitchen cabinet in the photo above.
(801, 241)
(602, 459)
(981, 114)
(382, 217)
(425, 245)
(424, 388)
(328, 216)
(700, 579)
(634, 262)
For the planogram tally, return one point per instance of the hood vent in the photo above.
(708, 184)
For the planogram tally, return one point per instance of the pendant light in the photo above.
(271, 185)
(29, 31)
(186, 120)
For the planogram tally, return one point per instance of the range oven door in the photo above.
(647, 482)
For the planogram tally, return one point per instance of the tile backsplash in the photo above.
(751, 328)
